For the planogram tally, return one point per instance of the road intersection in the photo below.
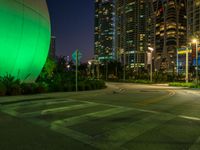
(123, 116)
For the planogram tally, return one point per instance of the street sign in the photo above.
(74, 56)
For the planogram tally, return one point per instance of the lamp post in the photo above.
(90, 68)
(151, 73)
(196, 43)
(186, 65)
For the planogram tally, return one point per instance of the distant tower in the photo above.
(170, 31)
(104, 30)
(193, 24)
(193, 15)
(132, 31)
(52, 49)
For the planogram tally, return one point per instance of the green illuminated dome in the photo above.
(24, 38)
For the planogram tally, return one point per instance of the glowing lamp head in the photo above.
(151, 49)
(194, 40)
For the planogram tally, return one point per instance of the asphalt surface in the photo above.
(122, 116)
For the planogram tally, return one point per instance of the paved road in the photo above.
(123, 116)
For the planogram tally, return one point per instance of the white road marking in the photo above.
(188, 117)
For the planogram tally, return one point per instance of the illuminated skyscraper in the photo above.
(104, 29)
(170, 32)
(132, 31)
(193, 12)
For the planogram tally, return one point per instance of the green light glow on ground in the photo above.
(24, 38)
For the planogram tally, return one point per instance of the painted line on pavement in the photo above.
(189, 118)
(57, 110)
(86, 117)
(35, 103)
(67, 108)
(156, 99)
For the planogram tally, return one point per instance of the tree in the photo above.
(48, 70)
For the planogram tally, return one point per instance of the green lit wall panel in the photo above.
(24, 38)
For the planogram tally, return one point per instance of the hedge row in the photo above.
(84, 85)
(10, 86)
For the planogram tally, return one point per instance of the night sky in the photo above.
(72, 23)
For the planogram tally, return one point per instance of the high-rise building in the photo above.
(193, 16)
(132, 31)
(170, 32)
(104, 29)
(193, 13)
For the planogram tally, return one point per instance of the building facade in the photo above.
(124, 29)
(132, 32)
(193, 22)
(104, 30)
(170, 32)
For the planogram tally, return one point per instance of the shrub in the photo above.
(15, 89)
(68, 87)
(94, 84)
(12, 85)
(56, 84)
(87, 85)
(81, 86)
(2, 89)
(41, 88)
(28, 88)
(56, 87)
(100, 84)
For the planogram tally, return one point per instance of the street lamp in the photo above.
(151, 51)
(186, 65)
(196, 43)
(90, 68)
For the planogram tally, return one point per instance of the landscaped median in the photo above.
(183, 84)
(10, 86)
(135, 81)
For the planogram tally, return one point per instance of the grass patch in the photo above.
(135, 81)
(182, 84)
